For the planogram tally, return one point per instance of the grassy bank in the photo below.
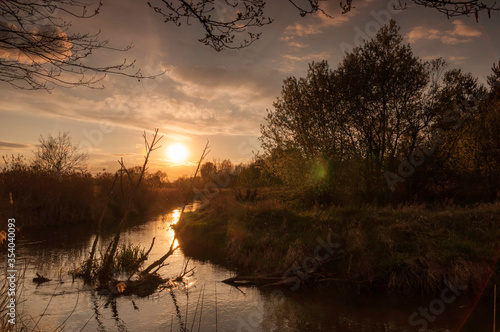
(411, 249)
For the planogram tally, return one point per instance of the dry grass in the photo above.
(408, 249)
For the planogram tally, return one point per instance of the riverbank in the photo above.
(411, 250)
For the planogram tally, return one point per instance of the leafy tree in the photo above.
(387, 95)
(207, 170)
(487, 137)
(306, 116)
(157, 179)
(333, 133)
(373, 108)
(59, 155)
(450, 146)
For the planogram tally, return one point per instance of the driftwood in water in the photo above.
(158, 263)
(279, 280)
(39, 279)
(251, 280)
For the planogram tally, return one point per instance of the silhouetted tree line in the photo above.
(55, 188)
(217, 175)
(386, 127)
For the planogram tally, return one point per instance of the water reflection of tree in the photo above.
(97, 314)
(120, 324)
(177, 310)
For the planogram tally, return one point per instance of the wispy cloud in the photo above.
(307, 57)
(458, 59)
(319, 24)
(11, 145)
(460, 33)
(190, 101)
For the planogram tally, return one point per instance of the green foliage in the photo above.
(334, 134)
(129, 258)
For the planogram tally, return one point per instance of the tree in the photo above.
(207, 170)
(224, 20)
(385, 91)
(59, 155)
(157, 179)
(453, 8)
(354, 122)
(37, 51)
(487, 137)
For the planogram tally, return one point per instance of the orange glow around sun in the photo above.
(177, 153)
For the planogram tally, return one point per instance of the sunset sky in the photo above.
(221, 97)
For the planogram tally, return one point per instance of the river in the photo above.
(204, 303)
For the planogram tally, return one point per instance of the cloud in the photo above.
(308, 57)
(458, 59)
(320, 21)
(10, 145)
(40, 45)
(188, 101)
(297, 45)
(460, 33)
(301, 30)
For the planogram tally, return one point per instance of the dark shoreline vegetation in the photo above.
(45, 200)
(409, 249)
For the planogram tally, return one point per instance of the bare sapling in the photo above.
(104, 271)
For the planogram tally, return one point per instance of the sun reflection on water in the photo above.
(176, 214)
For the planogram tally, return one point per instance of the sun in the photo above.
(177, 152)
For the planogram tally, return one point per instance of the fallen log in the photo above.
(251, 280)
(277, 280)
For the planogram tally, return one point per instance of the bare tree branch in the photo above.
(234, 24)
(37, 50)
(59, 155)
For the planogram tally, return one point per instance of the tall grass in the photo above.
(409, 249)
(5, 299)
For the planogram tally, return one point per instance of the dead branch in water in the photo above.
(104, 271)
(162, 259)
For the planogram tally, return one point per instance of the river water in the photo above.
(204, 303)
